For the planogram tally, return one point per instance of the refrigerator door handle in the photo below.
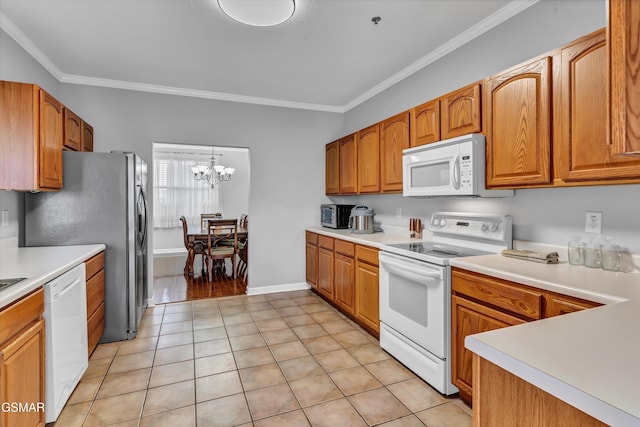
(142, 208)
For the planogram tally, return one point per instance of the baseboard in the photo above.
(170, 252)
(259, 290)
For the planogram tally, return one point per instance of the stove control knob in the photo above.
(494, 227)
(435, 222)
(484, 227)
(443, 222)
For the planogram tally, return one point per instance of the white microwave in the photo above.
(453, 167)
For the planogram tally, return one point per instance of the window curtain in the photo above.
(176, 193)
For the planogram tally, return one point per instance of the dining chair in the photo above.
(206, 217)
(222, 243)
(193, 248)
(243, 220)
(243, 254)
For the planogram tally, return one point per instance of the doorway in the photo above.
(177, 193)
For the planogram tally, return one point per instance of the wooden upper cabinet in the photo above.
(582, 147)
(369, 159)
(425, 123)
(31, 132)
(72, 131)
(348, 164)
(518, 125)
(394, 137)
(332, 165)
(51, 135)
(624, 73)
(87, 137)
(460, 112)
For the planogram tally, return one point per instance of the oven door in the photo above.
(413, 301)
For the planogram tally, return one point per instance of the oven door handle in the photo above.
(406, 270)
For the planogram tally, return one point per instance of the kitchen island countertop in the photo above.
(589, 359)
(39, 265)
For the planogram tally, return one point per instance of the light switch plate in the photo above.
(4, 218)
(593, 222)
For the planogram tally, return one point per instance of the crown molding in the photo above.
(194, 93)
(21, 38)
(493, 20)
(511, 9)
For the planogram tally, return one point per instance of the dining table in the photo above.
(201, 234)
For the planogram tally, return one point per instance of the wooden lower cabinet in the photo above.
(95, 300)
(481, 303)
(346, 275)
(471, 318)
(22, 361)
(367, 295)
(503, 399)
(367, 288)
(325, 273)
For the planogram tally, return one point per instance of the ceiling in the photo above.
(328, 57)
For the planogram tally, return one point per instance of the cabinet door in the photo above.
(369, 160)
(344, 270)
(624, 69)
(425, 123)
(394, 137)
(22, 376)
(72, 131)
(348, 165)
(471, 318)
(325, 272)
(367, 309)
(518, 125)
(50, 144)
(332, 166)
(584, 152)
(87, 137)
(312, 265)
(460, 112)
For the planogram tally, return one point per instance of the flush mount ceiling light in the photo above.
(259, 13)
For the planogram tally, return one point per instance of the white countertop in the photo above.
(39, 265)
(589, 359)
(376, 240)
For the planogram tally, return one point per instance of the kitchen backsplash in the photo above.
(550, 215)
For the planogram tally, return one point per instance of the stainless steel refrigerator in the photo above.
(103, 200)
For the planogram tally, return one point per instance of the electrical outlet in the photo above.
(398, 212)
(593, 222)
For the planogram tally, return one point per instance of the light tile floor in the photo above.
(285, 359)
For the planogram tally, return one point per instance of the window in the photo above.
(176, 193)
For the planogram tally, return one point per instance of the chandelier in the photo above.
(212, 174)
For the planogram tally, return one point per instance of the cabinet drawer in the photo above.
(344, 248)
(95, 292)
(505, 295)
(94, 265)
(325, 242)
(95, 328)
(367, 254)
(312, 238)
(20, 314)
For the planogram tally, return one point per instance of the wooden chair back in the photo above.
(243, 220)
(222, 231)
(184, 231)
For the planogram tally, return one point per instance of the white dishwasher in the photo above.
(65, 315)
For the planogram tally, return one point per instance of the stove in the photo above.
(415, 290)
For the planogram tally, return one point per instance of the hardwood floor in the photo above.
(178, 288)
